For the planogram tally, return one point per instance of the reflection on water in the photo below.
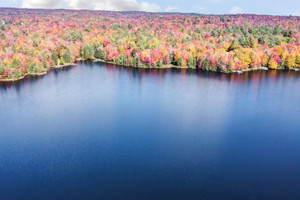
(255, 77)
(97, 131)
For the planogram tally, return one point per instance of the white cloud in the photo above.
(216, 1)
(172, 9)
(13, 1)
(40, 4)
(296, 13)
(202, 9)
(116, 5)
(236, 10)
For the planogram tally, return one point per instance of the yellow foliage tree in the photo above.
(284, 55)
(279, 50)
(272, 64)
(155, 43)
(264, 60)
(121, 49)
(176, 56)
(291, 61)
(61, 61)
(298, 59)
(183, 63)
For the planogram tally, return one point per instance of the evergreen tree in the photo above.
(54, 58)
(67, 57)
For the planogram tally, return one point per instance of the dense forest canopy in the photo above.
(32, 41)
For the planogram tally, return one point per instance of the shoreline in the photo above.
(169, 66)
(37, 74)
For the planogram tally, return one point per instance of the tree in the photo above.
(133, 62)
(272, 64)
(88, 52)
(61, 61)
(191, 62)
(54, 57)
(263, 39)
(67, 56)
(298, 59)
(205, 65)
(247, 41)
(2, 69)
(234, 45)
(99, 53)
(197, 30)
(73, 36)
(16, 63)
(291, 61)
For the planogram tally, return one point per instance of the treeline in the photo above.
(33, 41)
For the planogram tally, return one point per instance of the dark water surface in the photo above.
(97, 131)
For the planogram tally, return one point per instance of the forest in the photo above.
(34, 41)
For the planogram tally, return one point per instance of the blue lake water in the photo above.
(97, 131)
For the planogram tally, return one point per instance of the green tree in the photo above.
(234, 45)
(2, 68)
(16, 63)
(54, 58)
(67, 57)
(61, 61)
(191, 62)
(247, 41)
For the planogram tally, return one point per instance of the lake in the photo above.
(98, 131)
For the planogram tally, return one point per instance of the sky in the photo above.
(271, 7)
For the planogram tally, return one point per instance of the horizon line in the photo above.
(143, 11)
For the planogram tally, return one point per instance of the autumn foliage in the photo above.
(32, 41)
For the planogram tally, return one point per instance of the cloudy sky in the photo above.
(276, 7)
